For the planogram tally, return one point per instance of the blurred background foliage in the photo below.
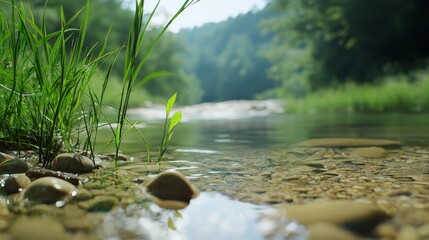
(289, 49)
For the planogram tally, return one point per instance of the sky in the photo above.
(202, 12)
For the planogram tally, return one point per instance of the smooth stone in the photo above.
(49, 190)
(121, 157)
(72, 163)
(171, 190)
(4, 210)
(14, 183)
(39, 173)
(25, 228)
(4, 157)
(99, 204)
(348, 142)
(327, 231)
(356, 216)
(13, 165)
(408, 232)
(370, 152)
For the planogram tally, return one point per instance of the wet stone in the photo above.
(99, 204)
(49, 190)
(359, 217)
(14, 183)
(44, 227)
(327, 231)
(348, 142)
(72, 163)
(4, 157)
(121, 157)
(169, 188)
(39, 173)
(369, 152)
(13, 165)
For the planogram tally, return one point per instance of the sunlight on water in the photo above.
(209, 216)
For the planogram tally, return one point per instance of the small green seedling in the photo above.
(169, 125)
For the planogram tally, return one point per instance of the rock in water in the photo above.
(171, 190)
(348, 142)
(13, 165)
(357, 217)
(37, 228)
(39, 173)
(369, 152)
(49, 190)
(72, 163)
(14, 183)
(4, 156)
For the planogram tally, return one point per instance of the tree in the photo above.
(355, 40)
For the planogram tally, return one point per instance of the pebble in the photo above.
(99, 204)
(348, 142)
(72, 163)
(408, 232)
(43, 227)
(369, 152)
(342, 212)
(49, 190)
(4, 157)
(38, 173)
(13, 165)
(14, 183)
(327, 231)
(171, 189)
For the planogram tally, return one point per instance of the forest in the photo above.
(349, 54)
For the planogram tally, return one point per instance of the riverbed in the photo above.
(261, 174)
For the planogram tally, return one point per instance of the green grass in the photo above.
(401, 93)
(51, 92)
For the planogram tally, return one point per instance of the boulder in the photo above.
(72, 163)
(369, 152)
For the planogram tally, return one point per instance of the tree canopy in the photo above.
(332, 41)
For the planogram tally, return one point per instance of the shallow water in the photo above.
(278, 131)
(239, 158)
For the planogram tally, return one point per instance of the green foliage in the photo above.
(110, 17)
(43, 85)
(169, 125)
(134, 64)
(225, 57)
(402, 93)
(347, 40)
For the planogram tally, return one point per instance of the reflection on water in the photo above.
(209, 216)
(277, 131)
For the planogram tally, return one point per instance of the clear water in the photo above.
(199, 146)
(278, 131)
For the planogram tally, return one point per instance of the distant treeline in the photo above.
(289, 48)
